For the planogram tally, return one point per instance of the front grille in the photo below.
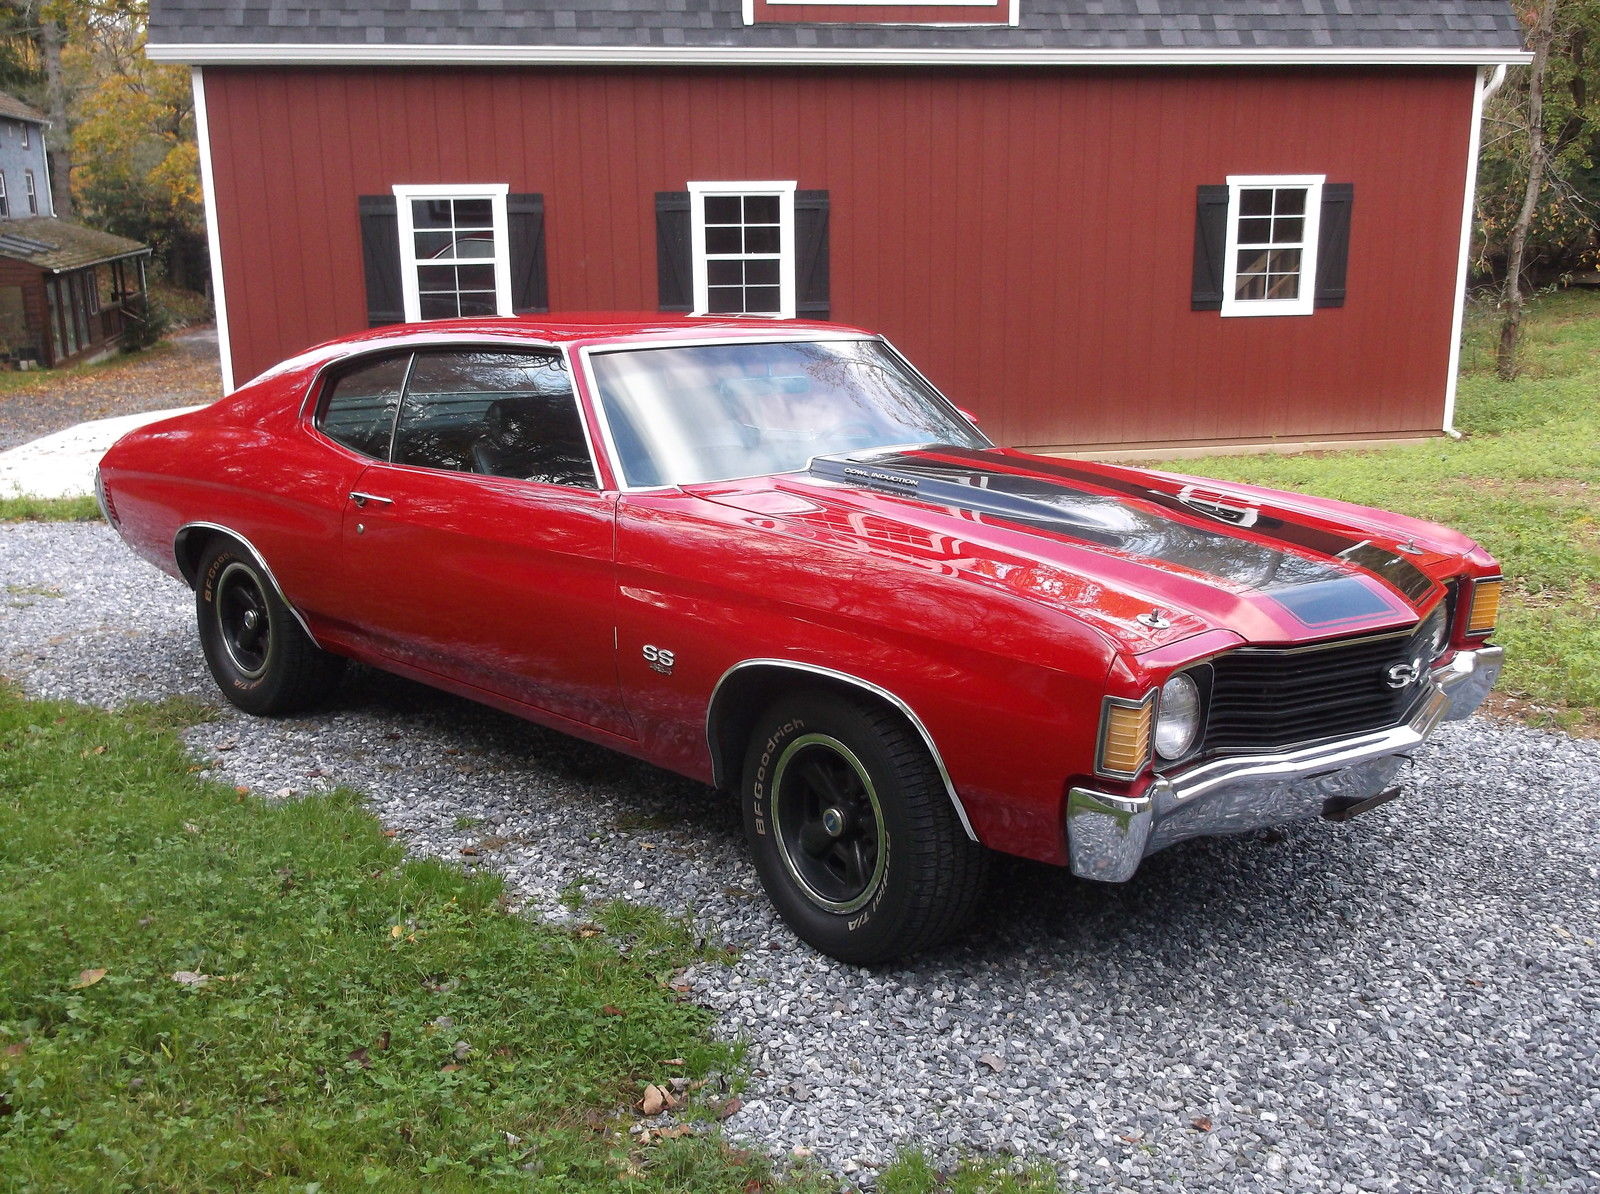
(1264, 699)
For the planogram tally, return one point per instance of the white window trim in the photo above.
(5, 198)
(33, 192)
(698, 193)
(496, 193)
(1306, 303)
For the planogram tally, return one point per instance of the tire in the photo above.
(258, 654)
(852, 831)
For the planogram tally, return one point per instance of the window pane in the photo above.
(475, 302)
(1255, 232)
(437, 306)
(435, 279)
(725, 273)
(724, 240)
(761, 273)
(474, 213)
(430, 213)
(1255, 201)
(1253, 261)
(501, 414)
(1291, 201)
(477, 245)
(435, 244)
(1283, 286)
(761, 209)
(475, 277)
(1284, 261)
(360, 407)
(761, 299)
(1251, 286)
(725, 300)
(761, 240)
(1289, 230)
(722, 209)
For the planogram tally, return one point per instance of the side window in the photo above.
(360, 406)
(503, 414)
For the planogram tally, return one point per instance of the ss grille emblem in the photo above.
(1401, 675)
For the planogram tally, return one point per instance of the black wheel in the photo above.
(853, 833)
(260, 657)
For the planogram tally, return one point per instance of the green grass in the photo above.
(1525, 482)
(31, 509)
(323, 1046)
(914, 1174)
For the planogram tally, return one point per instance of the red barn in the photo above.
(1096, 223)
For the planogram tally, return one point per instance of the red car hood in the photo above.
(1149, 558)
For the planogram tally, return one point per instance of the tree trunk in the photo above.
(1511, 302)
(59, 138)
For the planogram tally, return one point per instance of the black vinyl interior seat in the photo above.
(534, 439)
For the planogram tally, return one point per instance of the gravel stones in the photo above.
(1407, 1002)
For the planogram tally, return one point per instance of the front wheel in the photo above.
(853, 834)
(258, 654)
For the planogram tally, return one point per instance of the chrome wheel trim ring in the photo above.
(775, 808)
(240, 574)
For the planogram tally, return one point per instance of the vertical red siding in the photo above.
(1025, 235)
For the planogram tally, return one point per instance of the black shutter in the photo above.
(811, 254)
(1333, 242)
(530, 282)
(674, 263)
(380, 254)
(1210, 245)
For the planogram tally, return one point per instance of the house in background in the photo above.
(1147, 224)
(66, 291)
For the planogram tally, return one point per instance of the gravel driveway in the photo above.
(1408, 1002)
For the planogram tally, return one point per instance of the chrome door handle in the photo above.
(361, 499)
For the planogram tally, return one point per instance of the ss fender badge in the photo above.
(660, 659)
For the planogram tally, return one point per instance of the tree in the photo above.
(1540, 175)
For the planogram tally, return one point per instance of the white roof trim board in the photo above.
(328, 54)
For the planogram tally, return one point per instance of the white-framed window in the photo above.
(454, 251)
(27, 135)
(1271, 262)
(5, 199)
(33, 195)
(742, 237)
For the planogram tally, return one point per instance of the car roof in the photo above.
(581, 329)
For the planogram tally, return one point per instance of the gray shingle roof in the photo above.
(14, 109)
(57, 244)
(1074, 24)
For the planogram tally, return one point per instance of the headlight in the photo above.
(1178, 721)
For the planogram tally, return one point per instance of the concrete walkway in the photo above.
(62, 465)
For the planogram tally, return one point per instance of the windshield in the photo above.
(718, 411)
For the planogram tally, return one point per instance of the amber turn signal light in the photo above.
(1485, 611)
(1126, 729)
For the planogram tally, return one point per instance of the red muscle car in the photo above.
(771, 556)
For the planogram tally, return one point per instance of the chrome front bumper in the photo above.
(1109, 835)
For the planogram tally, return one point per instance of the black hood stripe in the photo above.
(1317, 592)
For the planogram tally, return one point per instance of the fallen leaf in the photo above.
(673, 1061)
(190, 978)
(800, 1151)
(754, 1186)
(611, 1010)
(389, 832)
(451, 1068)
(675, 1132)
(397, 930)
(88, 978)
(655, 1100)
(589, 930)
(383, 1041)
(1201, 1123)
(461, 1050)
(993, 1062)
(190, 827)
(16, 1049)
(470, 851)
(359, 1055)
(732, 1107)
(242, 790)
(595, 1119)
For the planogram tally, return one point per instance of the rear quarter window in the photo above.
(358, 410)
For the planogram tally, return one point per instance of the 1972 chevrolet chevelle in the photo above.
(771, 556)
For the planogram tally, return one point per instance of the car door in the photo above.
(483, 551)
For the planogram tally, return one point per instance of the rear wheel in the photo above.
(258, 654)
(853, 832)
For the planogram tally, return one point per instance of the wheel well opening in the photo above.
(188, 549)
(748, 693)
